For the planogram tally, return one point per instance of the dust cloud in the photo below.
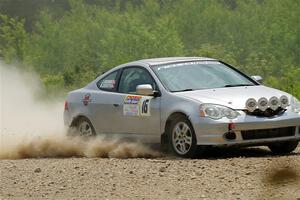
(278, 176)
(33, 128)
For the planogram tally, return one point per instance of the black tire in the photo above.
(283, 147)
(182, 142)
(83, 127)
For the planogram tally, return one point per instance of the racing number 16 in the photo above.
(145, 106)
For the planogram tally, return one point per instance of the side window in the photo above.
(109, 82)
(132, 77)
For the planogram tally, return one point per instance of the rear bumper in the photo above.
(266, 130)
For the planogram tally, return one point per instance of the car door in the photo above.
(137, 114)
(105, 104)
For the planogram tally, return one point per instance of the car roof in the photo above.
(166, 60)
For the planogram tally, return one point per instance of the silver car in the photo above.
(187, 104)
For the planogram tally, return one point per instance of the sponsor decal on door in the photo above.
(135, 105)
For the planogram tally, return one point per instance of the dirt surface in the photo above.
(251, 173)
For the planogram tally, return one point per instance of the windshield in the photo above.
(199, 75)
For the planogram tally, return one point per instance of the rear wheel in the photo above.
(84, 127)
(182, 139)
(283, 147)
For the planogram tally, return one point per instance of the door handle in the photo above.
(116, 105)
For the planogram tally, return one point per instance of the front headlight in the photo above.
(214, 111)
(295, 105)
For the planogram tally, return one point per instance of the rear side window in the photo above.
(109, 82)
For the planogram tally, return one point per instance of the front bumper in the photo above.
(211, 132)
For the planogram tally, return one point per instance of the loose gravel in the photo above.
(250, 173)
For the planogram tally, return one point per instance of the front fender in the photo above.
(178, 104)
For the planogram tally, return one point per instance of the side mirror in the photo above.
(145, 90)
(257, 78)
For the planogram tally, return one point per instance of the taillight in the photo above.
(66, 106)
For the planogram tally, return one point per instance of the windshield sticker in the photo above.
(136, 105)
(188, 63)
(108, 84)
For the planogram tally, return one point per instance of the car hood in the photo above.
(233, 97)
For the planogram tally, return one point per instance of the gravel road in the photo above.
(251, 173)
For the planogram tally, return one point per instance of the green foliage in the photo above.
(215, 51)
(53, 83)
(259, 37)
(289, 81)
(12, 38)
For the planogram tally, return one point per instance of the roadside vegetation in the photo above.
(69, 46)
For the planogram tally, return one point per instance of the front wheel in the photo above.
(182, 139)
(283, 147)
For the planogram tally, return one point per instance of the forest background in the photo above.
(68, 42)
